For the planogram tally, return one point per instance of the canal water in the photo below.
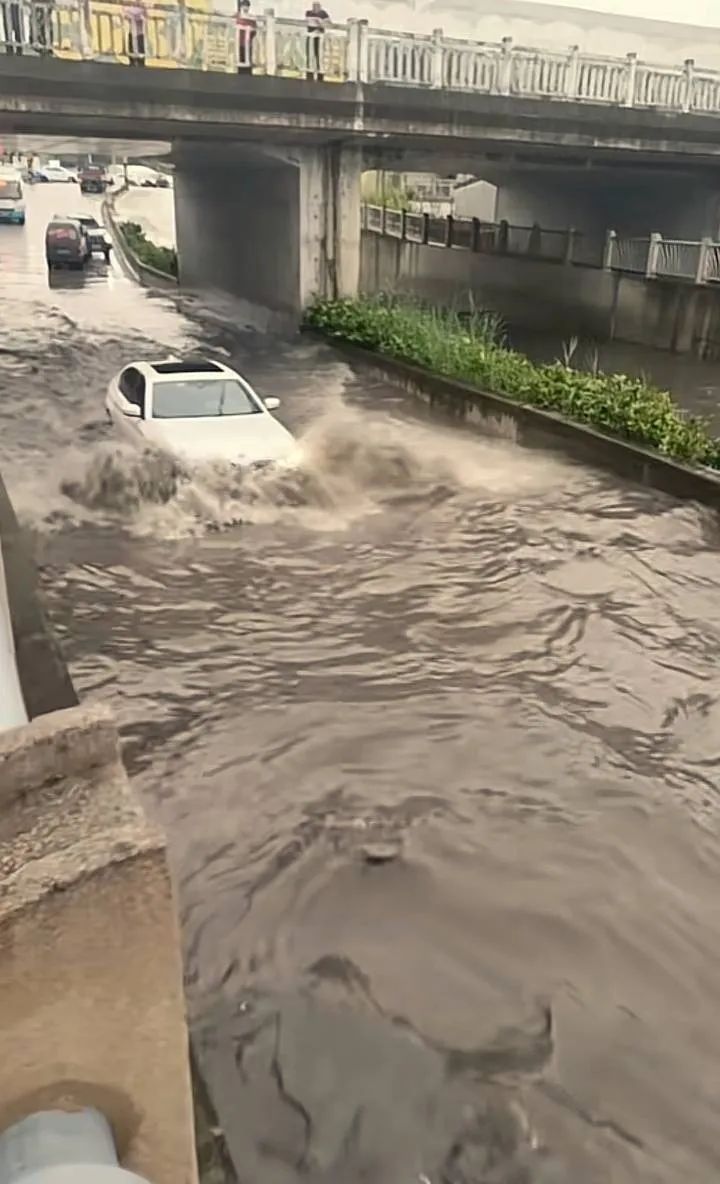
(432, 727)
(695, 383)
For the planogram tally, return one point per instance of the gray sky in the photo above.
(418, 15)
(692, 12)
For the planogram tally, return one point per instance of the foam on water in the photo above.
(350, 465)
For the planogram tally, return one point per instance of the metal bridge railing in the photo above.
(653, 256)
(168, 34)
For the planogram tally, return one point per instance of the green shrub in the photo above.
(391, 198)
(472, 350)
(160, 258)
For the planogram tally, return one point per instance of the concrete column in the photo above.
(275, 228)
(330, 222)
(91, 996)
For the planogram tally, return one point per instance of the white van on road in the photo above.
(12, 198)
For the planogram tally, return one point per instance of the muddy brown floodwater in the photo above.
(433, 730)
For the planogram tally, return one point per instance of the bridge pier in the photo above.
(273, 227)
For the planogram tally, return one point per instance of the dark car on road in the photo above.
(99, 240)
(93, 179)
(66, 244)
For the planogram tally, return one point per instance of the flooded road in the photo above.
(433, 730)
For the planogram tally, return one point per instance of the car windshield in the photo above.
(198, 397)
(89, 223)
(10, 189)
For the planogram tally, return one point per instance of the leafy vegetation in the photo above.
(471, 350)
(160, 258)
(393, 196)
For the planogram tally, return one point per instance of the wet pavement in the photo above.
(432, 726)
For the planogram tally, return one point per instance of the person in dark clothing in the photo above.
(135, 18)
(246, 34)
(317, 18)
(13, 30)
(41, 22)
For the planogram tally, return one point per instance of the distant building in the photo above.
(462, 195)
(475, 199)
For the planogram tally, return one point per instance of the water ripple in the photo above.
(433, 731)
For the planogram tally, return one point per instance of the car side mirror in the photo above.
(272, 403)
(133, 411)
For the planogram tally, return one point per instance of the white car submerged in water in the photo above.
(197, 411)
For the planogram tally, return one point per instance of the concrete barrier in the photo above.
(500, 417)
(92, 1010)
(549, 296)
(143, 274)
(91, 993)
(41, 672)
(12, 705)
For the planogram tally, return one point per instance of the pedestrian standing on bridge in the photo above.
(135, 19)
(41, 27)
(246, 34)
(317, 18)
(12, 27)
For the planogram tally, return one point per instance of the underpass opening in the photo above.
(238, 229)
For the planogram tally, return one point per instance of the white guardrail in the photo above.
(12, 704)
(653, 256)
(178, 34)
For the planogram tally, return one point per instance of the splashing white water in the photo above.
(351, 464)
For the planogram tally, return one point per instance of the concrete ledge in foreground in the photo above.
(90, 971)
(500, 417)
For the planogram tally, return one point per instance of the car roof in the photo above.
(172, 369)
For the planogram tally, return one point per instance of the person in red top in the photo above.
(317, 18)
(246, 34)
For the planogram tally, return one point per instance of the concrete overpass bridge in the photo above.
(269, 161)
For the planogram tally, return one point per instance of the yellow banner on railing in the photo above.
(148, 34)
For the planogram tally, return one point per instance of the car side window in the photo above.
(132, 386)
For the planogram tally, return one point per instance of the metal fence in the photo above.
(653, 256)
(629, 254)
(180, 35)
(472, 234)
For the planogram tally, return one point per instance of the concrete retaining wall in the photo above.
(496, 416)
(90, 974)
(92, 1011)
(42, 674)
(549, 296)
(149, 277)
(12, 704)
